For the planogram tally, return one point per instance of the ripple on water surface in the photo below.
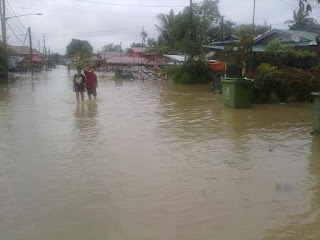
(153, 160)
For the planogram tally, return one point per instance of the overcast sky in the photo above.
(99, 22)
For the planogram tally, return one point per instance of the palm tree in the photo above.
(144, 36)
(166, 22)
(300, 20)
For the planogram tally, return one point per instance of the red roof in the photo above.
(138, 49)
(36, 59)
(126, 59)
(23, 50)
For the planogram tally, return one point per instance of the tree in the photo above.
(2, 60)
(79, 47)
(144, 36)
(239, 54)
(112, 47)
(137, 45)
(166, 23)
(305, 5)
(151, 42)
(300, 20)
(177, 34)
(262, 29)
(56, 59)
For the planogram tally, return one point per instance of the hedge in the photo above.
(287, 84)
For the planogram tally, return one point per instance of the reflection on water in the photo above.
(304, 225)
(152, 160)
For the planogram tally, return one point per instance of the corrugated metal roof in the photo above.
(303, 34)
(23, 50)
(180, 58)
(256, 48)
(138, 49)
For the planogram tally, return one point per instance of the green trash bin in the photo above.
(118, 73)
(316, 111)
(237, 93)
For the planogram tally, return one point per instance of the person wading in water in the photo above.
(78, 84)
(91, 81)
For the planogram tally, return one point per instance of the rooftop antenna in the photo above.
(296, 38)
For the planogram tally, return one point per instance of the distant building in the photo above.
(137, 51)
(175, 59)
(134, 57)
(300, 40)
(22, 53)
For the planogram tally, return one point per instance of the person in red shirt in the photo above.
(91, 81)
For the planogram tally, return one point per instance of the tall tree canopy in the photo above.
(112, 47)
(300, 20)
(306, 4)
(79, 47)
(179, 35)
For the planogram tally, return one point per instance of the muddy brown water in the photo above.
(153, 160)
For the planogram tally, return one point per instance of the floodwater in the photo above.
(153, 160)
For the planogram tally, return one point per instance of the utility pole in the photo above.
(191, 13)
(4, 36)
(254, 11)
(191, 30)
(49, 57)
(30, 41)
(222, 29)
(45, 51)
(253, 18)
(120, 50)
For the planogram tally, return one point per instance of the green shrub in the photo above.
(191, 72)
(297, 84)
(273, 84)
(278, 55)
(266, 83)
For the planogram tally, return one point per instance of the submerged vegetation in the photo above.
(191, 72)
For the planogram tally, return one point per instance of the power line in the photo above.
(14, 33)
(129, 5)
(108, 31)
(15, 18)
(79, 10)
(14, 15)
(288, 3)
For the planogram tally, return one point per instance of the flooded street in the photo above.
(153, 160)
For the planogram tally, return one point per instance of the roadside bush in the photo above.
(273, 84)
(297, 84)
(278, 55)
(266, 83)
(191, 72)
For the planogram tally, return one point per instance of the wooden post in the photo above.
(254, 11)
(45, 51)
(4, 36)
(222, 29)
(30, 41)
(191, 30)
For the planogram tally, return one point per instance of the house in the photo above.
(135, 56)
(300, 40)
(137, 51)
(23, 51)
(175, 59)
(227, 40)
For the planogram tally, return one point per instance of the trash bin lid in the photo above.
(237, 80)
(316, 94)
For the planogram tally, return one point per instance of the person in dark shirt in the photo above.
(91, 81)
(79, 84)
